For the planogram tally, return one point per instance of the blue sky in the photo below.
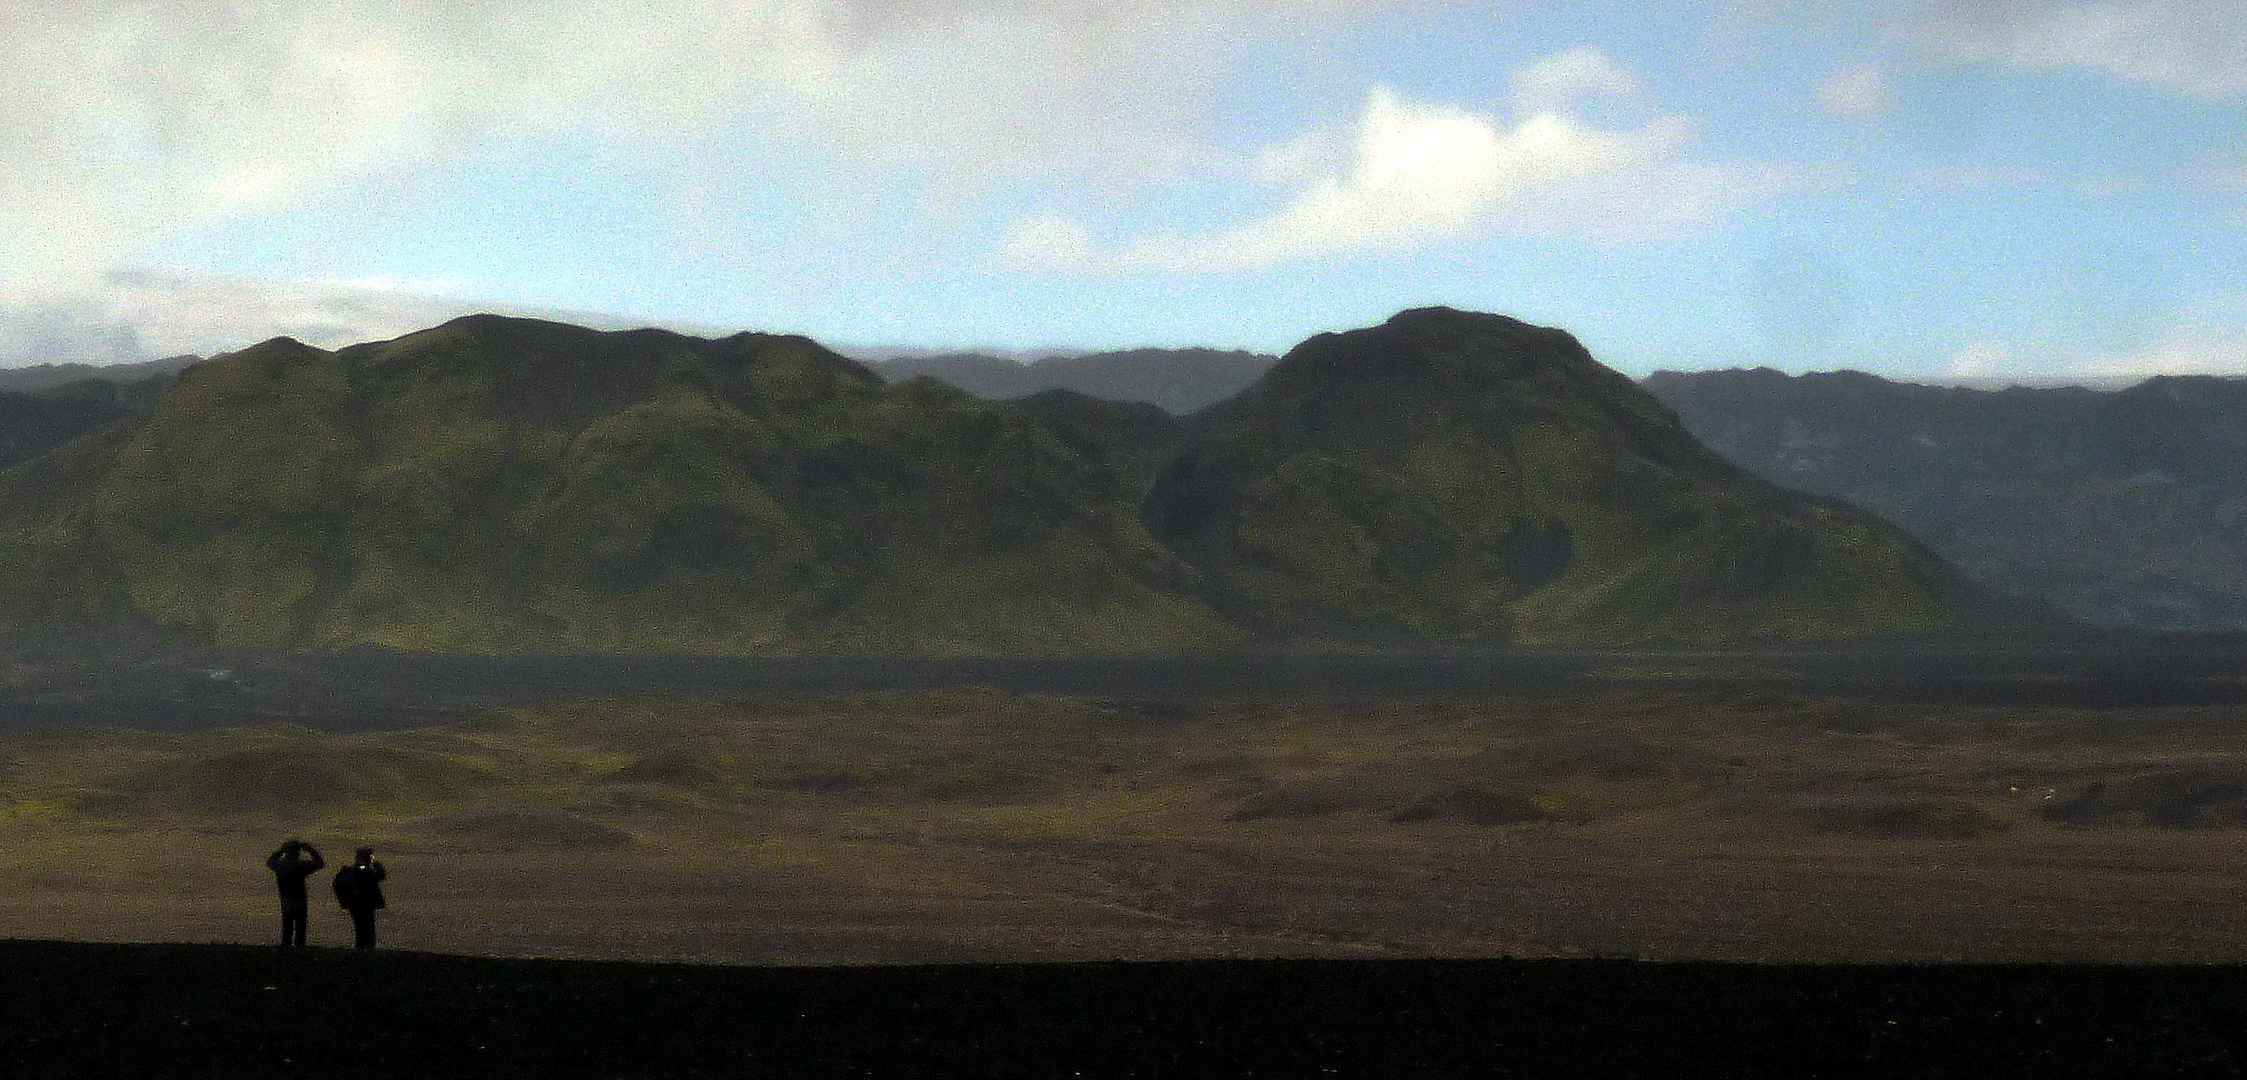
(2039, 190)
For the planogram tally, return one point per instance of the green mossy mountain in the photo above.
(1450, 475)
(500, 484)
(504, 485)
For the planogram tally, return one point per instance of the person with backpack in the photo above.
(358, 889)
(291, 864)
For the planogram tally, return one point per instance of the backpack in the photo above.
(359, 887)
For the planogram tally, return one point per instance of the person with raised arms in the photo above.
(293, 862)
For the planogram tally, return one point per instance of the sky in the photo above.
(1988, 190)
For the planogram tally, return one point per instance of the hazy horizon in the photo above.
(882, 353)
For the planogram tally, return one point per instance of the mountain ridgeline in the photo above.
(2124, 507)
(1451, 476)
(510, 485)
(1178, 381)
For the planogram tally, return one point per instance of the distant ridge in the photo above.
(2125, 507)
(37, 377)
(49, 413)
(509, 485)
(1178, 381)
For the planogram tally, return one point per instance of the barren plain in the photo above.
(2034, 804)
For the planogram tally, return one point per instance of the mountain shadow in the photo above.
(37, 420)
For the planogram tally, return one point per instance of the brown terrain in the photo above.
(2048, 806)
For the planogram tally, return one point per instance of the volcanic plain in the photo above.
(2076, 802)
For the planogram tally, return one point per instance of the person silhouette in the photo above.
(294, 861)
(358, 888)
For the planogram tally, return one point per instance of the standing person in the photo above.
(291, 864)
(358, 888)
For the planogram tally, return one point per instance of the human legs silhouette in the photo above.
(293, 912)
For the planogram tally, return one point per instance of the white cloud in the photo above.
(1979, 360)
(1418, 173)
(140, 315)
(1048, 242)
(1856, 91)
(1302, 160)
(2197, 48)
(125, 121)
(1558, 82)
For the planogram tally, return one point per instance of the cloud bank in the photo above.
(1414, 173)
(2196, 48)
(126, 121)
(133, 315)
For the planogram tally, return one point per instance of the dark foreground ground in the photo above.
(77, 1010)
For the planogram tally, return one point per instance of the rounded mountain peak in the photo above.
(1433, 367)
(282, 346)
(1441, 319)
(1442, 350)
(520, 332)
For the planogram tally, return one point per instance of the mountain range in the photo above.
(2125, 508)
(502, 485)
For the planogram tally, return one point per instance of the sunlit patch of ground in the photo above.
(982, 825)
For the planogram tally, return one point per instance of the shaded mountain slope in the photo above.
(41, 377)
(2128, 508)
(35, 421)
(1133, 438)
(508, 485)
(1461, 476)
(32, 424)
